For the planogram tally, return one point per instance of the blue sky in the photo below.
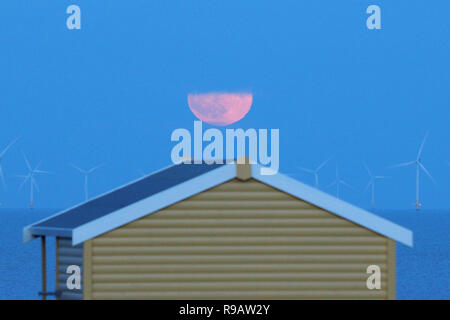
(114, 91)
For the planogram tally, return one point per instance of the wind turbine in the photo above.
(86, 177)
(2, 154)
(419, 166)
(338, 182)
(31, 177)
(316, 171)
(372, 184)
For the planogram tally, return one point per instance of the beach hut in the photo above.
(220, 231)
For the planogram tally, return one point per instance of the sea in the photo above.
(423, 271)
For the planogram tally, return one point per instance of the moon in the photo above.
(220, 108)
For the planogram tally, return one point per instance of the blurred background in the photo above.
(114, 91)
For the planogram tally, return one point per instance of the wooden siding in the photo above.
(87, 279)
(68, 255)
(392, 275)
(240, 240)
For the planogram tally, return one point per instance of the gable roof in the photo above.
(178, 182)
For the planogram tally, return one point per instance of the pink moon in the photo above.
(220, 108)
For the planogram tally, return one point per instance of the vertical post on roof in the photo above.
(44, 269)
(243, 168)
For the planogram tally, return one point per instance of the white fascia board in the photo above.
(153, 203)
(30, 232)
(335, 205)
(26, 235)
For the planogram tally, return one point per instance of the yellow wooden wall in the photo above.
(240, 240)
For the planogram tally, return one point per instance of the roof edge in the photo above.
(334, 205)
(154, 203)
(28, 234)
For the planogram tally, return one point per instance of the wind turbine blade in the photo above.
(37, 166)
(426, 171)
(78, 168)
(95, 168)
(8, 146)
(42, 172)
(404, 164)
(331, 184)
(345, 184)
(26, 162)
(381, 177)
(306, 170)
(367, 169)
(323, 164)
(368, 186)
(24, 180)
(421, 146)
